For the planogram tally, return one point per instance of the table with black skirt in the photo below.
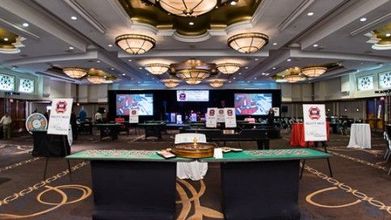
(256, 184)
(50, 145)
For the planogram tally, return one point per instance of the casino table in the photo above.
(50, 145)
(256, 184)
(153, 128)
(109, 130)
(132, 184)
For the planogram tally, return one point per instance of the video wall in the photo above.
(142, 102)
(157, 104)
(253, 103)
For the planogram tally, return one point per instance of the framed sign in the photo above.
(314, 122)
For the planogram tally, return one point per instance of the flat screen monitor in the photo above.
(142, 102)
(253, 103)
(192, 95)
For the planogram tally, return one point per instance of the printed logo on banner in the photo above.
(314, 113)
(61, 107)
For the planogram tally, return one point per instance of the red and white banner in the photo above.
(230, 117)
(133, 116)
(314, 122)
(60, 116)
(211, 118)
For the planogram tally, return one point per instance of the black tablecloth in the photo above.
(49, 145)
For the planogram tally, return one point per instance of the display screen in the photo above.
(142, 102)
(253, 103)
(192, 95)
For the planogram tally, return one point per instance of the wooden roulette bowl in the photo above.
(191, 150)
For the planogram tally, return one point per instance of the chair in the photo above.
(191, 170)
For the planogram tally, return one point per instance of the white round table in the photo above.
(360, 136)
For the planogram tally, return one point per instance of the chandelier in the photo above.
(313, 71)
(170, 83)
(193, 71)
(216, 83)
(294, 75)
(135, 43)
(10, 42)
(248, 42)
(98, 76)
(75, 72)
(228, 68)
(187, 8)
(156, 68)
(95, 79)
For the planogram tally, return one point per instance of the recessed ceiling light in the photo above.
(315, 45)
(123, 74)
(5, 39)
(240, 73)
(229, 81)
(140, 68)
(388, 34)
(274, 44)
(234, 78)
(98, 61)
(246, 67)
(363, 19)
(266, 74)
(74, 18)
(274, 68)
(310, 13)
(289, 60)
(112, 68)
(256, 59)
(110, 45)
(25, 24)
(233, 3)
(71, 48)
(191, 23)
(130, 60)
(255, 77)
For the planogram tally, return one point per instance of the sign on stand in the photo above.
(314, 122)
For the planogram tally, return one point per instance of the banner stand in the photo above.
(64, 139)
(59, 125)
(315, 130)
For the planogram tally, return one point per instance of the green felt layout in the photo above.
(124, 155)
(280, 154)
(250, 155)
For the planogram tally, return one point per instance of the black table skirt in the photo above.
(49, 145)
(133, 190)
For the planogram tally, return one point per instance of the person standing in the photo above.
(6, 122)
(98, 117)
(270, 118)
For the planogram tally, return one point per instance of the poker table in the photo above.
(109, 130)
(153, 128)
(256, 184)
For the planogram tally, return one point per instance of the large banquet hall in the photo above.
(195, 109)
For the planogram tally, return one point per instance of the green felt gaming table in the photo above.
(139, 184)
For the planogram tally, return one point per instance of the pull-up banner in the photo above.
(314, 122)
(211, 118)
(60, 116)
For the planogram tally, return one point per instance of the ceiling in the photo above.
(332, 34)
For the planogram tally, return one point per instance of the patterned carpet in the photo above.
(360, 188)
